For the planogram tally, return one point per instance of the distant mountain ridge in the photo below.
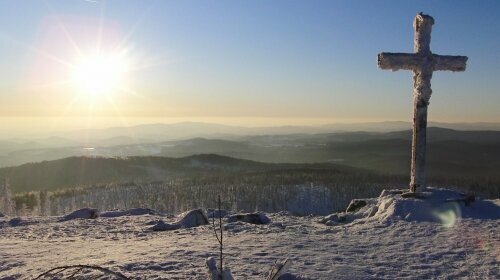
(184, 130)
(177, 131)
(454, 157)
(352, 148)
(84, 171)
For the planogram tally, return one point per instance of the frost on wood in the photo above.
(423, 62)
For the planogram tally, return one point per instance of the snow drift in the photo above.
(429, 205)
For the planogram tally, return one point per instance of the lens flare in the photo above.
(448, 214)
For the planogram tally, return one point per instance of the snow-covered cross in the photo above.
(423, 62)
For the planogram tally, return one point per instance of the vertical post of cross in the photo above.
(423, 62)
(421, 94)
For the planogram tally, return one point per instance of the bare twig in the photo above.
(80, 267)
(280, 268)
(272, 270)
(215, 229)
(219, 234)
(75, 273)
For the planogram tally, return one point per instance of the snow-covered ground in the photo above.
(376, 247)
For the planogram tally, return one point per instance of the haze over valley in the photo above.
(382, 147)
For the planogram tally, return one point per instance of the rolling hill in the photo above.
(83, 171)
(454, 157)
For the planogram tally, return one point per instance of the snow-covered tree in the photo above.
(6, 202)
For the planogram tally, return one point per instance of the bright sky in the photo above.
(71, 64)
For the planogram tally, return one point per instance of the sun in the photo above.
(99, 74)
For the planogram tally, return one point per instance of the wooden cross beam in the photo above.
(423, 62)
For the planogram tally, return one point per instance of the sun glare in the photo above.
(100, 74)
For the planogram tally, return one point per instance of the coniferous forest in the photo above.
(195, 182)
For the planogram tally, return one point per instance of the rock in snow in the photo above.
(1, 215)
(197, 217)
(333, 219)
(252, 218)
(189, 219)
(14, 222)
(355, 205)
(84, 213)
(129, 212)
(162, 226)
(192, 218)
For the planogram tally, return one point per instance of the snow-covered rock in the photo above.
(14, 222)
(333, 218)
(357, 209)
(355, 205)
(434, 205)
(192, 218)
(84, 213)
(17, 222)
(129, 212)
(162, 226)
(428, 205)
(189, 219)
(252, 218)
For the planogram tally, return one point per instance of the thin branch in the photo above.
(74, 273)
(215, 229)
(272, 270)
(221, 234)
(60, 269)
(279, 269)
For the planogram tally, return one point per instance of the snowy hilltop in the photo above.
(435, 233)
(443, 206)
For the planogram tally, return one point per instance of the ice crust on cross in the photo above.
(423, 62)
